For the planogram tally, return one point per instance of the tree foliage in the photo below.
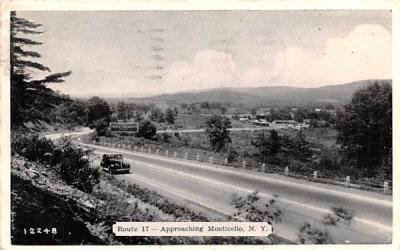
(74, 168)
(31, 99)
(298, 147)
(267, 147)
(98, 109)
(71, 112)
(232, 155)
(169, 116)
(217, 132)
(70, 162)
(156, 115)
(276, 149)
(365, 130)
(146, 130)
(124, 111)
(101, 126)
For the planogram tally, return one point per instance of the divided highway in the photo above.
(210, 187)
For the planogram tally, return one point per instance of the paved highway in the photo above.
(207, 186)
(84, 131)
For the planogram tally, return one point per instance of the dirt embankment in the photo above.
(39, 199)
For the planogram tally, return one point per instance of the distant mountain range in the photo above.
(269, 95)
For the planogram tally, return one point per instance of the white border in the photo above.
(7, 5)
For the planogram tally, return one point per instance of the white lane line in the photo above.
(312, 188)
(215, 182)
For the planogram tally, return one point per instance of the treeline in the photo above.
(97, 113)
(139, 112)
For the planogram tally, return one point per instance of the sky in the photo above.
(144, 53)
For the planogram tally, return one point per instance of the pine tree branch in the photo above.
(54, 78)
(23, 63)
(27, 31)
(24, 41)
(24, 22)
(20, 51)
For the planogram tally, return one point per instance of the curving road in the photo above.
(54, 137)
(210, 187)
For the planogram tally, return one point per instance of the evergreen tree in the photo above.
(31, 99)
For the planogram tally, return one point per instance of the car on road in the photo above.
(114, 164)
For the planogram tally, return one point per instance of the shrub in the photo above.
(101, 126)
(146, 130)
(329, 161)
(309, 235)
(74, 168)
(31, 146)
(69, 161)
(165, 137)
(339, 214)
(232, 155)
(250, 208)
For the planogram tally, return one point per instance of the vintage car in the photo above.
(114, 163)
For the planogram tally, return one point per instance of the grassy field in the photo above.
(318, 137)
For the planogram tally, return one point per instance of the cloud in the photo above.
(272, 66)
(209, 69)
(365, 53)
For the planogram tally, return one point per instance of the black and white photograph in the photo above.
(199, 127)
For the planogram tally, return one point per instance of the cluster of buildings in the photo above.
(261, 115)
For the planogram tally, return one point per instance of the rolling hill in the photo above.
(269, 95)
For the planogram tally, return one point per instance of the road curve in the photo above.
(212, 186)
(58, 136)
